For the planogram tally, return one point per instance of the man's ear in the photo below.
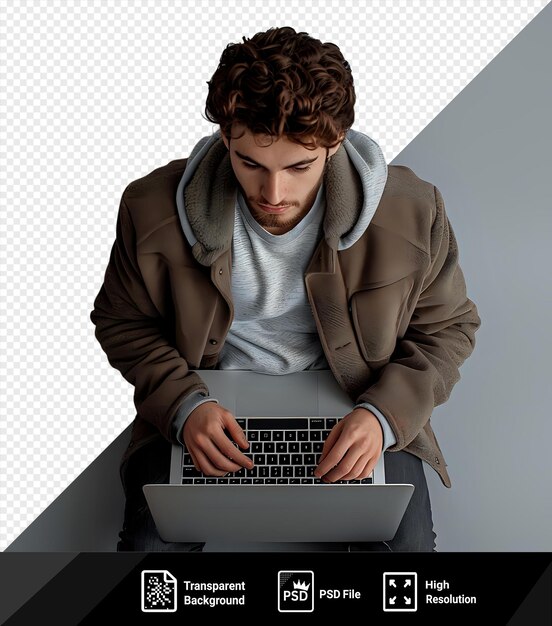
(332, 151)
(225, 139)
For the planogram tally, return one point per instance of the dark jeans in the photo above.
(151, 465)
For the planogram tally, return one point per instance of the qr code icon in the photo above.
(158, 591)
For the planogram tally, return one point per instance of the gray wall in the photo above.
(489, 153)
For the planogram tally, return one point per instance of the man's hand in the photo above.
(352, 448)
(212, 452)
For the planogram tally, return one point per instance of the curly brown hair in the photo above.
(281, 82)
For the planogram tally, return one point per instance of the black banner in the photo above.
(95, 588)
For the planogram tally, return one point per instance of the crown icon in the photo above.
(301, 585)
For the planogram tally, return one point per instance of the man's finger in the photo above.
(345, 466)
(226, 456)
(330, 440)
(368, 470)
(225, 448)
(358, 468)
(206, 466)
(334, 456)
(236, 432)
(194, 459)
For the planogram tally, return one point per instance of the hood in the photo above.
(206, 195)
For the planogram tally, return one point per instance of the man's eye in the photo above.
(253, 166)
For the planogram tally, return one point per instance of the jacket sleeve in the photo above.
(130, 331)
(441, 335)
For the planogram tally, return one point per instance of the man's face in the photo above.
(279, 180)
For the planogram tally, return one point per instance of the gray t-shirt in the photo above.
(273, 330)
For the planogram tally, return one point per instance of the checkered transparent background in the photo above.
(97, 94)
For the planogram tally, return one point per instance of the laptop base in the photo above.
(349, 513)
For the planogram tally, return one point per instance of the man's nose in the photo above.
(273, 188)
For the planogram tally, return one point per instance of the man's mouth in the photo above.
(273, 209)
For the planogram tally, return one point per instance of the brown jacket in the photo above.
(392, 313)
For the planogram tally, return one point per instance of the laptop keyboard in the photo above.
(285, 451)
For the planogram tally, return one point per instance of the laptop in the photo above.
(286, 420)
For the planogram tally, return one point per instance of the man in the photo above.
(285, 243)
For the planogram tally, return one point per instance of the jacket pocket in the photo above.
(377, 311)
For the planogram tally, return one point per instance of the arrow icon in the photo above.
(400, 591)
